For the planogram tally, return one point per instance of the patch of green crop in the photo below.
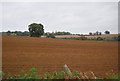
(113, 76)
(33, 74)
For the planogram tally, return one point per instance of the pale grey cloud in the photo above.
(59, 0)
(80, 17)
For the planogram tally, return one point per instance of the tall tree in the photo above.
(36, 30)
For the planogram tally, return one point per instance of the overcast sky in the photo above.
(74, 17)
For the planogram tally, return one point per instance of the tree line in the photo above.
(99, 33)
(37, 30)
(17, 33)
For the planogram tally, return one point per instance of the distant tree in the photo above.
(100, 33)
(36, 30)
(94, 33)
(90, 33)
(107, 32)
(78, 34)
(61, 33)
(14, 32)
(25, 33)
(50, 36)
(8, 32)
(97, 33)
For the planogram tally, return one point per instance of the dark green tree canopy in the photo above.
(36, 30)
(107, 32)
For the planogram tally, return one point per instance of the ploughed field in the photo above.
(49, 54)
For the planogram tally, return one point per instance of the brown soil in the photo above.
(48, 55)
